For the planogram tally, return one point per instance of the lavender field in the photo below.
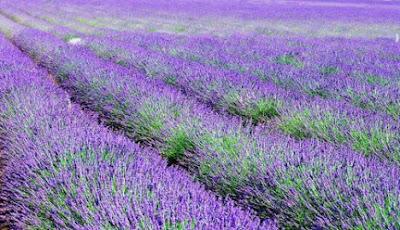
(178, 115)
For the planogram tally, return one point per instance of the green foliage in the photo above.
(327, 127)
(173, 52)
(387, 211)
(180, 225)
(64, 161)
(194, 57)
(145, 223)
(87, 21)
(261, 75)
(384, 213)
(285, 83)
(103, 51)
(114, 186)
(170, 80)
(151, 29)
(289, 59)
(87, 155)
(248, 166)
(260, 111)
(296, 127)
(301, 215)
(122, 62)
(218, 63)
(237, 67)
(227, 144)
(376, 80)
(179, 28)
(150, 121)
(330, 128)
(57, 196)
(232, 185)
(44, 173)
(207, 167)
(57, 203)
(228, 148)
(329, 70)
(370, 142)
(264, 109)
(108, 226)
(69, 37)
(65, 70)
(361, 100)
(235, 177)
(177, 144)
(108, 156)
(393, 109)
(232, 100)
(154, 69)
(319, 92)
(337, 129)
(45, 221)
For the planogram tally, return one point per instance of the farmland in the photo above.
(199, 114)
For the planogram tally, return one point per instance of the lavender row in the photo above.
(361, 72)
(300, 116)
(235, 94)
(305, 184)
(352, 71)
(63, 170)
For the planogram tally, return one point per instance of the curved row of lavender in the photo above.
(333, 119)
(64, 171)
(303, 185)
